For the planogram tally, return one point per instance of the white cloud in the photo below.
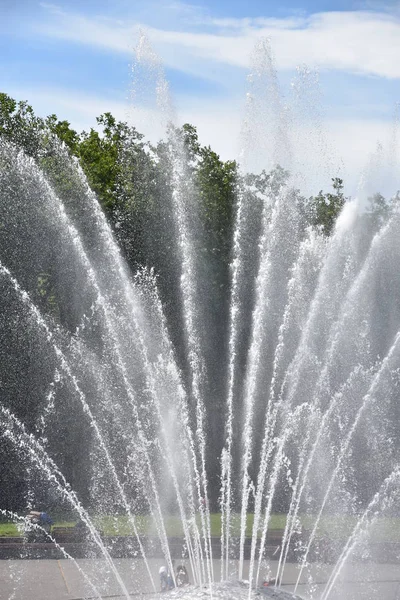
(363, 42)
(81, 109)
(359, 41)
(98, 32)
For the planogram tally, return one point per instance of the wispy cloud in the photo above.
(364, 42)
(79, 108)
(192, 41)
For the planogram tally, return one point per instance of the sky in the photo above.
(335, 72)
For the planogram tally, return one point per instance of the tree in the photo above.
(20, 125)
(99, 157)
(133, 182)
(324, 209)
(378, 211)
(63, 131)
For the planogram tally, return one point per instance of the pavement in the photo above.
(94, 578)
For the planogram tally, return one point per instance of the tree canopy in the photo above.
(132, 180)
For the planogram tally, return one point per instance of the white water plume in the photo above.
(310, 369)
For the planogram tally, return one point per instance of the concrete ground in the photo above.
(93, 578)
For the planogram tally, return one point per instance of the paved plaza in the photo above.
(93, 578)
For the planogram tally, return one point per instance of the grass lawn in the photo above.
(120, 525)
(8, 530)
(334, 527)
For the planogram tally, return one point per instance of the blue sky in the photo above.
(74, 58)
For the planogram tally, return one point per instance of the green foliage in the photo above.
(378, 211)
(63, 131)
(19, 124)
(217, 184)
(46, 294)
(133, 182)
(99, 158)
(324, 209)
(191, 141)
(268, 182)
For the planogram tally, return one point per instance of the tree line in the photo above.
(132, 181)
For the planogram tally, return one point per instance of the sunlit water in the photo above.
(311, 385)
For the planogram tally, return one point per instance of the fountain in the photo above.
(310, 378)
